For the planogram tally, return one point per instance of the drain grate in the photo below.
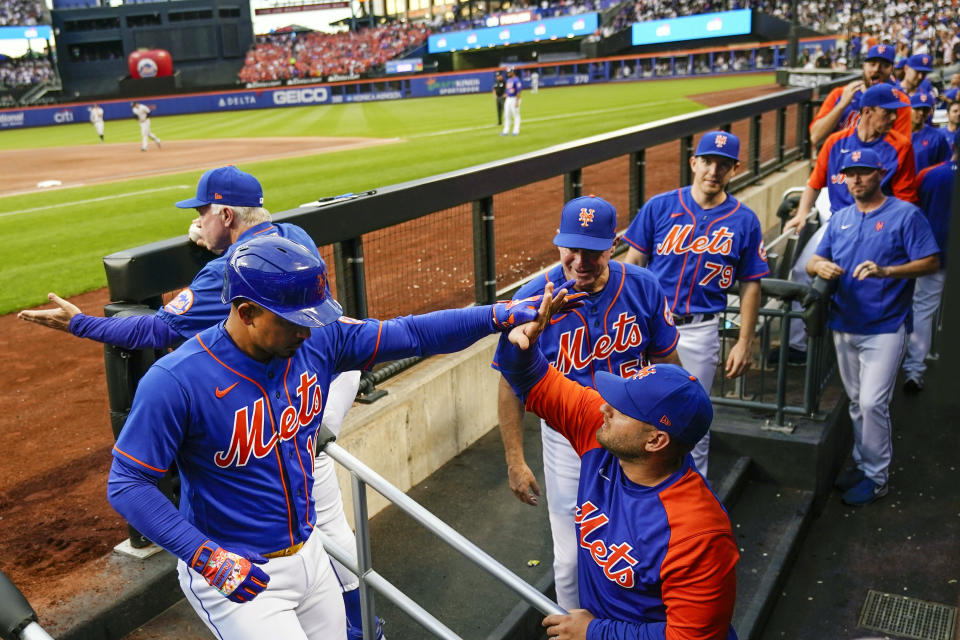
(907, 617)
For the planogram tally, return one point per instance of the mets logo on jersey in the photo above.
(181, 304)
(575, 353)
(679, 241)
(586, 216)
(614, 559)
(248, 430)
(879, 225)
(838, 178)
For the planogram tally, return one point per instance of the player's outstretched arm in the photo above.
(57, 318)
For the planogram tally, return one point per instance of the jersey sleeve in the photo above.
(904, 183)
(828, 104)
(129, 332)
(819, 176)
(825, 249)
(155, 427)
(918, 237)
(902, 124)
(640, 233)
(753, 257)
(664, 336)
(198, 307)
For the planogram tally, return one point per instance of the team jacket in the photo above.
(654, 562)
(196, 308)
(241, 432)
(698, 254)
(616, 330)
(896, 154)
(851, 114)
(929, 147)
(936, 190)
(895, 233)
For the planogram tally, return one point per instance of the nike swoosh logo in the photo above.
(222, 392)
(843, 226)
(844, 150)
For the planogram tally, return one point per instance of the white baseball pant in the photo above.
(301, 602)
(699, 351)
(561, 478)
(798, 331)
(511, 112)
(98, 127)
(146, 134)
(926, 298)
(868, 368)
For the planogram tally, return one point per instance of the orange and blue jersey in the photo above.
(698, 254)
(935, 185)
(894, 233)
(242, 432)
(851, 113)
(618, 329)
(655, 562)
(929, 147)
(896, 154)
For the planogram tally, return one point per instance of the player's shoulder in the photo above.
(635, 276)
(537, 284)
(897, 139)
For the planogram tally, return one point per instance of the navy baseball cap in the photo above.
(719, 143)
(881, 95)
(865, 158)
(920, 62)
(587, 222)
(226, 185)
(880, 51)
(664, 395)
(921, 100)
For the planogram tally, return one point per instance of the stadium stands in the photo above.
(25, 71)
(22, 13)
(316, 55)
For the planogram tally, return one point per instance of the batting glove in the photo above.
(509, 313)
(233, 575)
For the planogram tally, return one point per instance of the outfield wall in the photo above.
(766, 57)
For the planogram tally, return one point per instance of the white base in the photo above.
(126, 549)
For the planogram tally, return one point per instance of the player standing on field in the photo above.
(698, 241)
(624, 325)
(872, 249)
(96, 119)
(511, 106)
(142, 113)
(237, 409)
(499, 92)
(657, 556)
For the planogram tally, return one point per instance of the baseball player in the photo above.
(698, 241)
(96, 119)
(511, 106)
(142, 113)
(929, 145)
(841, 107)
(623, 326)
(915, 72)
(499, 92)
(230, 204)
(935, 185)
(237, 408)
(879, 107)
(949, 131)
(656, 550)
(872, 249)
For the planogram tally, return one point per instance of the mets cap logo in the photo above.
(720, 141)
(879, 225)
(856, 156)
(322, 283)
(926, 60)
(881, 48)
(923, 97)
(586, 216)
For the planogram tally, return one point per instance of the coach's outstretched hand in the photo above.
(233, 575)
(58, 318)
(546, 305)
(508, 314)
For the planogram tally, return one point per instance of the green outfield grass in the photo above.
(55, 240)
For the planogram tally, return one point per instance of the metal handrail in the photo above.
(363, 476)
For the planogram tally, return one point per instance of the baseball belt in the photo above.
(693, 317)
(289, 551)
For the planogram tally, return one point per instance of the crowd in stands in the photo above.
(315, 55)
(25, 71)
(22, 13)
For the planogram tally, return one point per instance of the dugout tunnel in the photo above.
(780, 429)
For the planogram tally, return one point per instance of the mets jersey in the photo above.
(242, 432)
(896, 154)
(929, 147)
(698, 254)
(935, 185)
(851, 114)
(616, 330)
(654, 562)
(894, 233)
(514, 87)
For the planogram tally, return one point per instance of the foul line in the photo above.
(100, 199)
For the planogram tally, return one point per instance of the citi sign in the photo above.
(61, 117)
(309, 95)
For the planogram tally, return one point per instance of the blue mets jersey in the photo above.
(653, 561)
(514, 87)
(617, 329)
(935, 185)
(929, 147)
(894, 233)
(698, 254)
(242, 432)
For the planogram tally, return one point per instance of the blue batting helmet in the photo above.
(284, 277)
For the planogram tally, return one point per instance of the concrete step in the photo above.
(769, 523)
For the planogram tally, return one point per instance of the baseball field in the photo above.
(112, 197)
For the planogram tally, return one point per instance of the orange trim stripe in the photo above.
(683, 267)
(140, 462)
(623, 279)
(295, 447)
(634, 245)
(676, 339)
(270, 228)
(696, 269)
(376, 347)
(276, 449)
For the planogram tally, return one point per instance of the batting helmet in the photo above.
(283, 277)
